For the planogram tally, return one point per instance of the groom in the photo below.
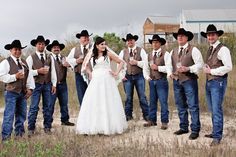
(76, 58)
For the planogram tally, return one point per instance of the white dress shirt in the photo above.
(143, 55)
(29, 61)
(166, 68)
(197, 59)
(225, 57)
(7, 78)
(71, 59)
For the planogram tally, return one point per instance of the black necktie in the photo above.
(131, 53)
(18, 63)
(155, 56)
(42, 59)
(211, 52)
(57, 59)
(181, 52)
(85, 50)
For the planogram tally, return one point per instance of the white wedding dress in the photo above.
(101, 111)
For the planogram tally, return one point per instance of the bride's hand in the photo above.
(90, 76)
(114, 74)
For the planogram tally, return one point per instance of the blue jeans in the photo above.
(81, 86)
(15, 106)
(186, 97)
(62, 95)
(139, 83)
(159, 90)
(215, 90)
(45, 91)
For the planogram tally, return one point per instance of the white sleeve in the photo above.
(167, 67)
(53, 73)
(70, 58)
(225, 57)
(146, 70)
(121, 55)
(4, 72)
(198, 61)
(30, 84)
(29, 61)
(144, 58)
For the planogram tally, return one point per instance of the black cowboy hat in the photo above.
(156, 37)
(184, 32)
(83, 33)
(14, 44)
(55, 43)
(130, 36)
(212, 29)
(40, 38)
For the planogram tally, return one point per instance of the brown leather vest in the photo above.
(159, 61)
(77, 54)
(186, 60)
(133, 69)
(213, 61)
(37, 64)
(19, 85)
(61, 71)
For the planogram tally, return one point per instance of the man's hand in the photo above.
(154, 67)
(183, 69)
(133, 62)
(66, 64)
(42, 70)
(207, 69)
(19, 75)
(54, 90)
(28, 93)
(79, 60)
(124, 79)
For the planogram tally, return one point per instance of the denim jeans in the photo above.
(62, 95)
(81, 87)
(138, 82)
(159, 90)
(186, 98)
(15, 107)
(215, 90)
(45, 91)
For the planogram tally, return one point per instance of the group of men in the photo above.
(45, 74)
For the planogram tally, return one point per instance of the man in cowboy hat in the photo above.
(135, 57)
(155, 71)
(76, 58)
(218, 64)
(43, 70)
(61, 92)
(186, 62)
(19, 82)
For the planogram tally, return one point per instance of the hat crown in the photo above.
(211, 28)
(84, 32)
(182, 31)
(55, 42)
(40, 38)
(16, 43)
(155, 36)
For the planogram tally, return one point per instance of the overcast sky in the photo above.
(61, 19)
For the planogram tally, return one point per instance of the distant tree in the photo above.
(113, 41)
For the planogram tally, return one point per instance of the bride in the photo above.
(101, 111)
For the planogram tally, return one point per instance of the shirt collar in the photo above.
(132, 48)
(82, 46)
(54, 55)
(185, 46)
(215, 44)
(39, 54)
(158, 51)
(15, 59)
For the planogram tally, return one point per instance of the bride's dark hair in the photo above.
(98, 41)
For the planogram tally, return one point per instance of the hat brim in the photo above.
(34, 42)
(49, 47)
(187, 33)
(10, 46)
(81, 35)
(135, 37)
(219, 32)
(161, 40)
